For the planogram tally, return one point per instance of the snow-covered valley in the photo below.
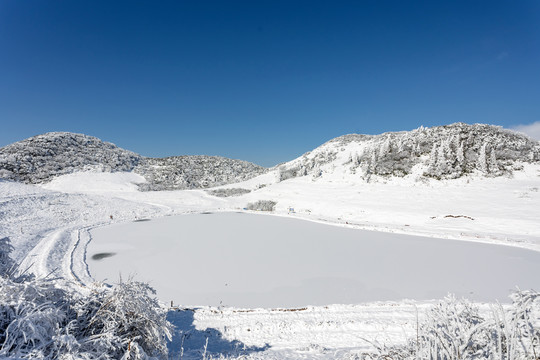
(475, 235)
(50, 231)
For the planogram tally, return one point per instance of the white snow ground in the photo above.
(50, 225)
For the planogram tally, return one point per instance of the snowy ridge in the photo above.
(443, 152)
(41, 158)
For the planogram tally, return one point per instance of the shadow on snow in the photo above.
(189, 343)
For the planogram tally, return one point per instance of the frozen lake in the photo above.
(248, 260)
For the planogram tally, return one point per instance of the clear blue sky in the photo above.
(263, 81)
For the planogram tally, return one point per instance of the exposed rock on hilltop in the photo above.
(40, 158)
(443, 152)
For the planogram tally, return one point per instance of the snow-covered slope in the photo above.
(41, 158)
(443, 152)
(50, 231)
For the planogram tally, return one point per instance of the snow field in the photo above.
(504, 211)
(308, 332)
(330, 327)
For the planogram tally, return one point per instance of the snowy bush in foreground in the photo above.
(454, 329)
(262, 205)
(40, 321)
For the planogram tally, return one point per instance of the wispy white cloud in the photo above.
(533, 130)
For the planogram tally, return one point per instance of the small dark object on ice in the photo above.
(459, 216)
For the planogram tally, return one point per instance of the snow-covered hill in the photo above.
(43, 157)
(443, 152)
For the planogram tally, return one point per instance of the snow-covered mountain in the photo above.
(41, 158)
(443, 152)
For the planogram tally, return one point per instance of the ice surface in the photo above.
(247, 260)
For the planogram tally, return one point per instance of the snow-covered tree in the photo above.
(433, 159)
(460, 156)
(7, 265)
(492, 163)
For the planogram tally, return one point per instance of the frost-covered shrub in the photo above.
(308, 164)
(289, 173)
(123, 321)
(262, 205)
(523, 321)
(455, 329)
(34, 319)
(38, 320)
(228, 192)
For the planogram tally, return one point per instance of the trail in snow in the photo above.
(312, 332)
(43, 224)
